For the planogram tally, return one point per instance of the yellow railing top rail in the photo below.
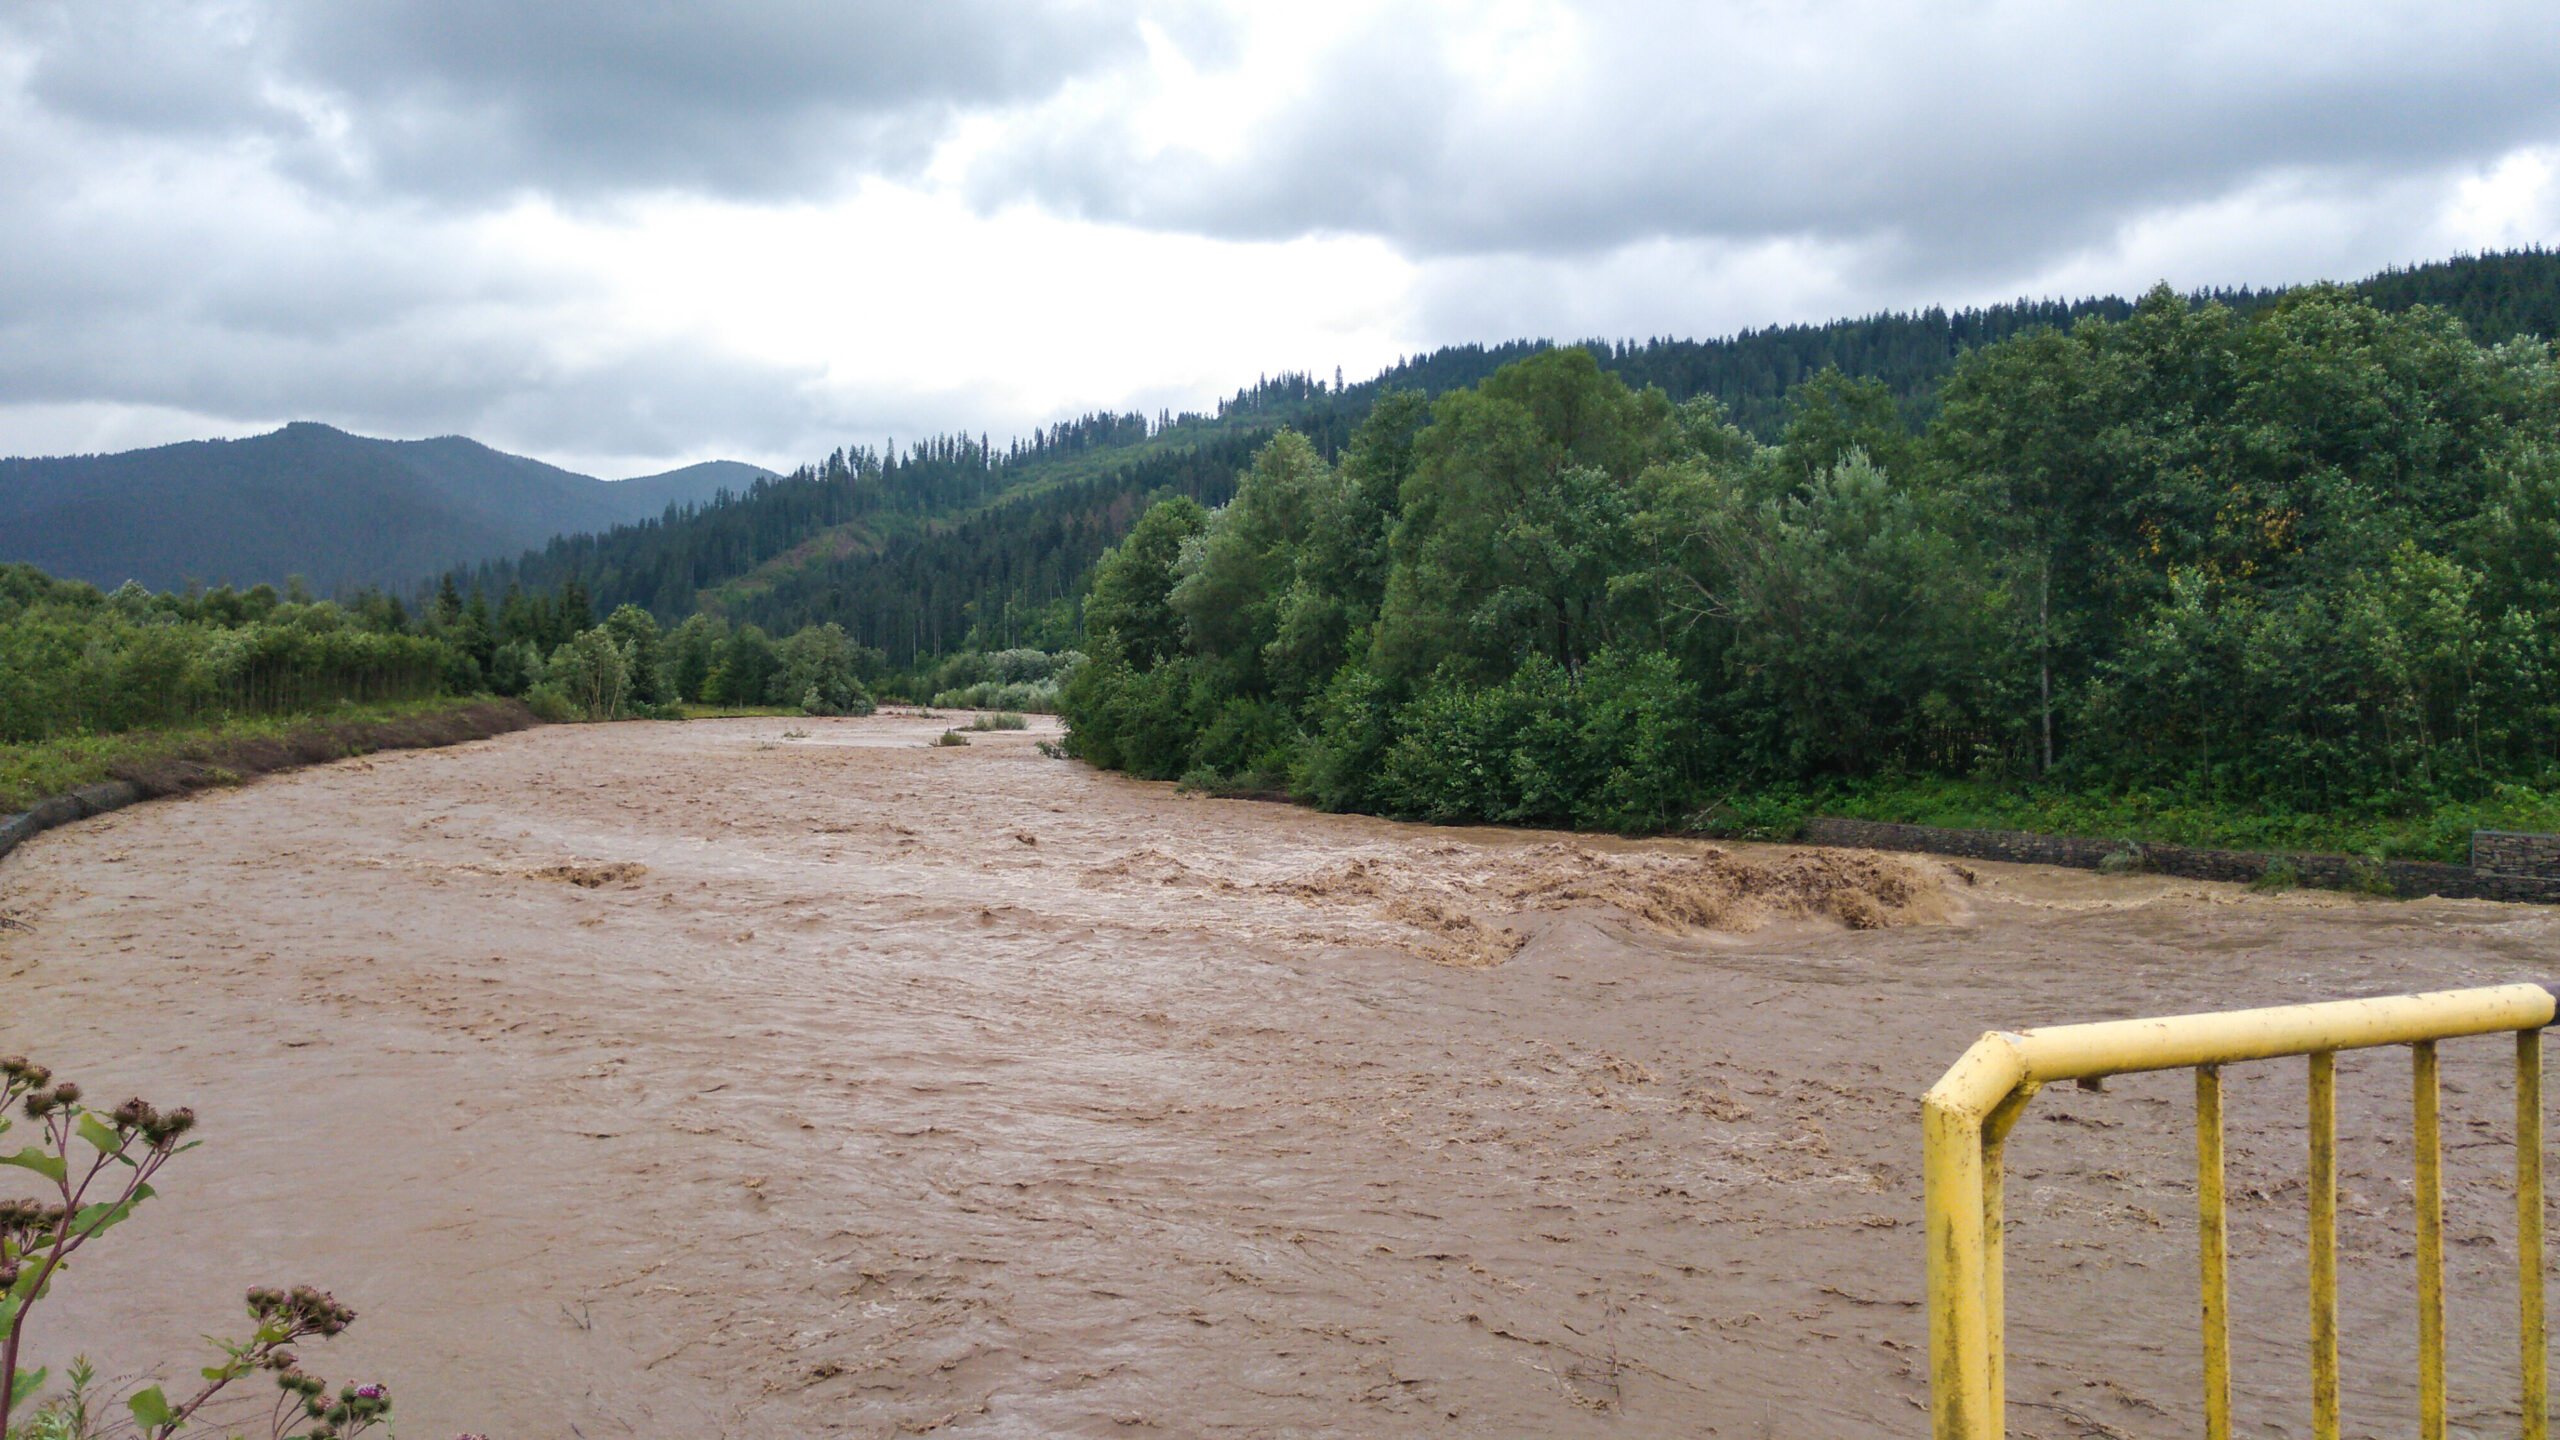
(2003, 1060)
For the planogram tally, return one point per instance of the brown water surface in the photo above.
(678, 1080)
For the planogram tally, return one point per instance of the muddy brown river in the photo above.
(765, 1078)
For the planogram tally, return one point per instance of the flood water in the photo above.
(770, 1077)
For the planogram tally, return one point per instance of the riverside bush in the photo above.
(819, 669)
(1038, 697)
(1018, 679)
(74, 661)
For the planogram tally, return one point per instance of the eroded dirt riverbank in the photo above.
(686, 1080)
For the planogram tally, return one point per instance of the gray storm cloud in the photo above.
(463, 99)
(268, 208)
(1977, 136)
(262, 210)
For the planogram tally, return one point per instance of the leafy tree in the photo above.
(1515, 515)
(1834, 417)
(693, 653)
(1339, 572)
(1236, 576)
(816, 671)
(515, 667)
(588, 676)
(743, 675)
(644, 655)
(1850, 622)
(1129, 611)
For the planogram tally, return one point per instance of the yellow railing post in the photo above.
(2430, 1199)
(1995, 1321)
(2212, 1254)
(1968, 1114)
(2324, 1245)
(1959, 1349)
(2530, 1325)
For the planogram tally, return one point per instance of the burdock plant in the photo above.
(99, 1165)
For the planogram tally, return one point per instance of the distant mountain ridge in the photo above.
(343, 511)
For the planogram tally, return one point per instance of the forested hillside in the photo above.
(2289, 562)
(342, 511)
(849, 502)
(2299, 556)
(957, 543)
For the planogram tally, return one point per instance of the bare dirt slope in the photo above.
(676, 1080)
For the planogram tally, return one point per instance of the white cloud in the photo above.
(2285, 228)
(2511, 202)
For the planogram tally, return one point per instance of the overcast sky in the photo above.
(623, 236)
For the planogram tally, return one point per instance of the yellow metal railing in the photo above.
(1969, 1113)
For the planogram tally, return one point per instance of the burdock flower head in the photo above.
(19, 1216)
(136, 1117)
(41, 1103)
(302, 1310)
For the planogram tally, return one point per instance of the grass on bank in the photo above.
(2440, 831)
(35, 770)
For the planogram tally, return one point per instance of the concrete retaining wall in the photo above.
(2406, 878)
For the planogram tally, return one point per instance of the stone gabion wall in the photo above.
(80, 804)
(2405, 878)
(2507, 852)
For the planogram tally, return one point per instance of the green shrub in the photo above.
(1774, 814)
(1129, 719)
(1039, 697)
(2280, 875)
(1606, 749)
(1337, 767)
(553, 705)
